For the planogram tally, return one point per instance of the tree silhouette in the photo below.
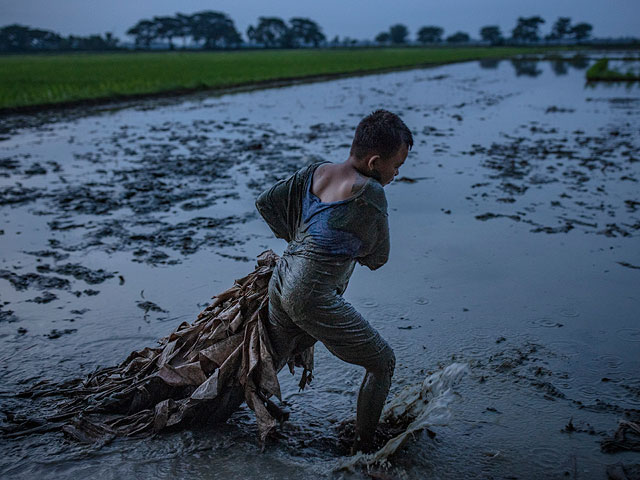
(430, 34)
(458, 37)
(215, 28)
(110, 41)
(304, 31)
(15, 38)
(183, 27)
(398, 33)
(167, 27)
(18, 38)
(527, 29)
(560, 29)
(492, 34)
(383, 37)
(271, 32)
(581, 31)
(144, 32)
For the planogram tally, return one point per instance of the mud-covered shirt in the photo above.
(352, 229)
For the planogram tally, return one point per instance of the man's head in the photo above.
(380, 145)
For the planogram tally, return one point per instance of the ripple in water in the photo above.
(629, 334)
(610, 361)
(422, 301)
(546, 322)
(369, 303)
(547, 457)
(569, 313)
(475, 351)
(589, 391)
(568, 348)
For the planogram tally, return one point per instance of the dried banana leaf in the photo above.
(202, 370)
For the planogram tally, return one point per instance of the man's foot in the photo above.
(362, 446)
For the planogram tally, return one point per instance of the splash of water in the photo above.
(417, 406)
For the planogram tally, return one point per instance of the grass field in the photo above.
(41, 80)
(600, 72)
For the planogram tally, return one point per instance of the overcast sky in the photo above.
(361, 19)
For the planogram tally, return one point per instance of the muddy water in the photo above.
(514, 249)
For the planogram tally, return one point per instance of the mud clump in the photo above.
(7, 316)
(78, 271)
(57, 256)
(34, 280)
(385, 431)
(627, 436)
(556, 109)
(58, 333)
(46, 297)
(629, 265)
(148, 306)
(17, 194)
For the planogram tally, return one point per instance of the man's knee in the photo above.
(386, 362)
(391, 362)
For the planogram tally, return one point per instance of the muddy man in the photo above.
(333, 215)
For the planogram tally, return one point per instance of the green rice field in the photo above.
(601, 72)
(44, 80)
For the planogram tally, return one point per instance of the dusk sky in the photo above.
(361, 19)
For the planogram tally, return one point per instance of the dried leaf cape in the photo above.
(194, 376)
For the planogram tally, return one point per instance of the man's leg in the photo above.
(373, 393)
(351, 338)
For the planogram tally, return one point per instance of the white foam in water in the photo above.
(426, 404)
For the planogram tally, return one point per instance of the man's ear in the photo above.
(372, 162)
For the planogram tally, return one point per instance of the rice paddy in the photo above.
(45, 80)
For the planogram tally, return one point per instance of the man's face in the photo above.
(384, 170)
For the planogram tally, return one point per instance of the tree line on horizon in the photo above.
(212, 30)
(527, 30)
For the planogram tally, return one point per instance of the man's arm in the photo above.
(380, 252)
(280, 205)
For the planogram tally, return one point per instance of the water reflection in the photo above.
(489, 63)
(528, 66)
(559, 67)
(579, 62)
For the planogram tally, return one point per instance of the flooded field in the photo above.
(515, 229)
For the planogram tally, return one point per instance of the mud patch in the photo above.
(79, 272)
(34, 280)
(586, 166)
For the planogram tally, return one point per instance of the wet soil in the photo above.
(514, 248)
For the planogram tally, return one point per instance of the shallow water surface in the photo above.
(515, 249)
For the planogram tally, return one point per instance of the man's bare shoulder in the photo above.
(333, 182)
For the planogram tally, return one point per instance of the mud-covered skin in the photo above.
(363, 217)
(305, 292)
